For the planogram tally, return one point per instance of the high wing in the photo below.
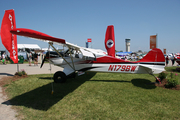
(37, 35)
(87, 53)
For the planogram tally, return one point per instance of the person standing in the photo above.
(4, 58)
(172, 59)
(125, 58)
(30, 58)
(167, 60)
(35, 59)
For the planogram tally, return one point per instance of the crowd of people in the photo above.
(172, 58)
(34, 57)
(30, 57)
(129, 57)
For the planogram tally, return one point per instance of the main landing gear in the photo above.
(61, 77)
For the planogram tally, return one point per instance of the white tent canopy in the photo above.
(30, 46)
(46, 49)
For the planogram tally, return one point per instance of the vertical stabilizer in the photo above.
(110, 41)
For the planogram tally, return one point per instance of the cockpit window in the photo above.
(74, 52)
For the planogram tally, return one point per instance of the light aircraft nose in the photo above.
(50, 54)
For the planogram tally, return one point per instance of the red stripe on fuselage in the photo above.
(109, 59)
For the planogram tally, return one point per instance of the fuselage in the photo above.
(108, 64)
(71, 61)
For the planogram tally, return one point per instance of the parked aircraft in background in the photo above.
(177, 58)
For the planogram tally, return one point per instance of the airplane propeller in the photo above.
(43, 61)
(47, 54)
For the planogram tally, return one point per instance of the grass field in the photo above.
(94, 96)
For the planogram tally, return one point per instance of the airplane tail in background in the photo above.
(9, 40)
(110, 41)
(155, 55)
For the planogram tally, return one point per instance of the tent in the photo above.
(30, 46)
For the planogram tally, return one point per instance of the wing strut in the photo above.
(71, 58)
(51, 44)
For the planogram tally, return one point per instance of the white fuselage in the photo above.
(83, 65)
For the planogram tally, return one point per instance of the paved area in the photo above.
(6, 112)
(11, 69)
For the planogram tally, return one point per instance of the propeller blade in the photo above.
(43, 61)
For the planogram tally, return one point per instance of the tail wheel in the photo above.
(60, 77)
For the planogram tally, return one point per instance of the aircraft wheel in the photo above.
(60, 77)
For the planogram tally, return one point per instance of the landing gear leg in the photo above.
(158, 80)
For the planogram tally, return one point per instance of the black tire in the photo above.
(60, 77)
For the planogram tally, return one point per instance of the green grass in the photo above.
(94, 96)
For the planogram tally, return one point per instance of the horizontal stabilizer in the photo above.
(155, 55)
(153, 69)
(37, 35)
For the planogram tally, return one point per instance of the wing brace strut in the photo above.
(51, 44)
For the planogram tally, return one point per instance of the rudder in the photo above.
(110, 41)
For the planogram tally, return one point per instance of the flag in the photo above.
(89, 40)
(153, 41)
(164, 51)
(9, 40)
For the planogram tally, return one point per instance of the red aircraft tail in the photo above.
(110, 41)
(155, 55)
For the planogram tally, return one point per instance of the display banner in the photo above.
(153, 41)
(164, 51)
(9, 40)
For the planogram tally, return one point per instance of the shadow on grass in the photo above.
(45, 78)
(111, 81)
(41, 98)
(143, 83)
(6, 74)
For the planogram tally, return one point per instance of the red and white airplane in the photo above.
(77, 59)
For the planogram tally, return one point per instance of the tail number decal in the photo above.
(122, 68)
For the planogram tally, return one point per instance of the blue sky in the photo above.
(77, 20)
